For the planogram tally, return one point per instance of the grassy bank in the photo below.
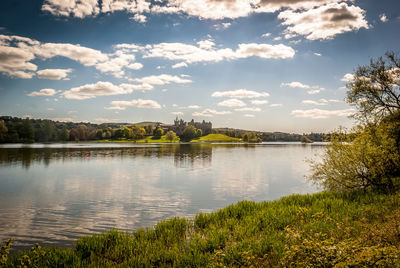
(162, 139)
(216, 138)
(324, 229)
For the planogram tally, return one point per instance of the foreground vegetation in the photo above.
(323, 230)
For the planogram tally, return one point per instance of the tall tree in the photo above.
(27, 132)
(375, 89)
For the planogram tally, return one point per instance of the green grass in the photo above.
(216, 138)
(148, 139)
(320, 230)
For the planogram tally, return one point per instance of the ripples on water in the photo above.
(53, 194)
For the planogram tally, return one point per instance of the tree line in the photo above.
(14, 129)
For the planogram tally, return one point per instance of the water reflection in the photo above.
(54, 195)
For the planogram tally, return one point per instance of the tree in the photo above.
(27, 132)
(158, 132)
(370, 156)
(171, 136)
(189, 133)
(3, 131)
(138, 132)
(370, 160)
(375, 89)
(199, 132)
(64, 134)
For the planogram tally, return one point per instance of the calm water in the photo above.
(53, 194)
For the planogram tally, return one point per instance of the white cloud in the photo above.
(324, 22)
(321, 114)
(232, 103)
(276, 105)
(222, 26)
(100, 88)
(177, 113)
(266, 35)
(15, 61)
(312, 89)
(206, 52)
(191, 107)
(265, 51)
(240, 94)
(138, 103)
(278, 38)
(210, 113)
(43, 92)
(317, 54)
(16, 53)
(248, 115)
(383, 18)
(321, 102)
(295, 85)
(79, 9)
(248, 109)
(106, 120)
(162, 79)
(259, 102)
(179, 65)
(53, 74)
(140, 18)
(347, 78)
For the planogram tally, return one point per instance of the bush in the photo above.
(371, 159)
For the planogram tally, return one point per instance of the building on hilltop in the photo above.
(179, 125)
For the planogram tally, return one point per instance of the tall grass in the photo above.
(323, 229)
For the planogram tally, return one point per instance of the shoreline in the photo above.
(313, 229)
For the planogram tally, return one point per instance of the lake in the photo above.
(56, 193)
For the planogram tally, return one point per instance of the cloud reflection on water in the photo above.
(54, 195)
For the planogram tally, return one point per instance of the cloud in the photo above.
(248, 115)
(205, 51)
(90, 91)
(259, 102)
(266, 35)
(179, 65)
(312, 89)
(240, 94)
(138, 103)
(222, 26)
(191, 107)
(320, 102)
(321, 114)
(16, 53)
(276, 105)
(79, 9)
(232, 103)
(210, 113)
(317, 54)
(140, 18)
(162, 79)
(295, 85)
(106, 120)
(43, 92)
(347, 78)
(177, 113)
(53, 74)
(324, 22)
(15, 61)
(248, 109)
(383, 18)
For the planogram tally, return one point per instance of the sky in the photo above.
(267, 65)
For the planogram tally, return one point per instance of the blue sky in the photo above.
(270, 65)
